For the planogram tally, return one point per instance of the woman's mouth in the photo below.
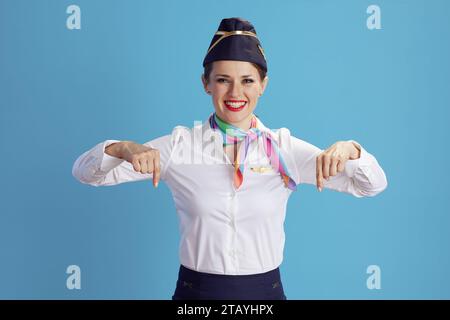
(235, 105)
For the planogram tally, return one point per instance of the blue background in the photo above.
(133, 73)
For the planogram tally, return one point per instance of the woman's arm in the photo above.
(361, 177)
(104, 164)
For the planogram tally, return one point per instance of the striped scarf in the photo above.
(232, 135)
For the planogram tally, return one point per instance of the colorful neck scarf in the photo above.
(233, 135)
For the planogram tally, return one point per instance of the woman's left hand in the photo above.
(333, 160)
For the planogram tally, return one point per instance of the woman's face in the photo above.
(235, 87)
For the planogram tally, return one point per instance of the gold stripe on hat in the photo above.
(225, 34)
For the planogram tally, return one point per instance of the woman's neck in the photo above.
(244, 124)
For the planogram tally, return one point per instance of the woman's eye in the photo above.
(222, 80)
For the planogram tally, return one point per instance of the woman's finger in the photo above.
(156, 170)
(333, 166)
(326, 166)
(319, 176)
(150, 166)
(136, 165)
(144, 165)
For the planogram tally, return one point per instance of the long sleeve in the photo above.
(362, 177)
(97, 168)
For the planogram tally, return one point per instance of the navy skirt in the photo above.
(194, 285)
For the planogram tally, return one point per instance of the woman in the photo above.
(231, 177)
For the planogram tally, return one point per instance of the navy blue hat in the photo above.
(236, 40)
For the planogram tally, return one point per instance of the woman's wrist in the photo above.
(116, 149)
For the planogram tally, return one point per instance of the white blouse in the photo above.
(224, 230)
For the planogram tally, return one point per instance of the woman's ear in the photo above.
(264, 85)
(205, 84)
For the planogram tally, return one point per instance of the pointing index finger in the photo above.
(156, 172)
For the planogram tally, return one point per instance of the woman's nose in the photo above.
(235, 90)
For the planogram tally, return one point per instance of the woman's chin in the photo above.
(232, 117)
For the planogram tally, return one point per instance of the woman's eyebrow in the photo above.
(227, 76)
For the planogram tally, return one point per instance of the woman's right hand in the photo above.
(144, 159)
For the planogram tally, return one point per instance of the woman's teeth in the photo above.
(235, 105)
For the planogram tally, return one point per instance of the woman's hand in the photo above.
(333, 160)
(144, 159)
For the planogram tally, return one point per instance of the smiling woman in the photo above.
(235, 87)
(231, 218)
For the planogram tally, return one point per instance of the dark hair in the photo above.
(208, 69)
